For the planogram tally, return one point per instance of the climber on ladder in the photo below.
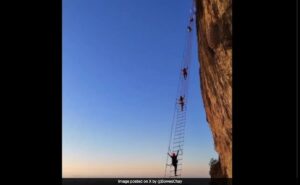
(189, 29)
(181, 102)
(184, 72)
(174, 161)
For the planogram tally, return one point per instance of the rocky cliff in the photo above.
(214, 32)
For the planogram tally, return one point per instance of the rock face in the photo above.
(214, 32)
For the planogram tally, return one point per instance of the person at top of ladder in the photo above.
(184, 72)
(181, 102)
(174, 161)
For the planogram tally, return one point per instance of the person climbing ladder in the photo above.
(191, 19)
(174, 161)
(184, 72)
(181, 102)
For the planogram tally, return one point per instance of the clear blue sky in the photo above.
(121, 61)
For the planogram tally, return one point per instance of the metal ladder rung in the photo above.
(178, 142)
(176, 150)
(181, 130)
(172, 165)
(180, 154)
(179, 126)
(175, 176)
(180, 137)
(174, 170)
(177, 146)
(181, 143)
(179, 133)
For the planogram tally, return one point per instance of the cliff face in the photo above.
(214, 32)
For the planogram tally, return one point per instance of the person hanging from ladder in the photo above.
(189, 28)
(184, 72)
(181, 102)
(174, 161)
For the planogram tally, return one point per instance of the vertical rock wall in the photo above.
(214, 32)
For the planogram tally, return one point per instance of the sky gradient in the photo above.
(121, 61)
